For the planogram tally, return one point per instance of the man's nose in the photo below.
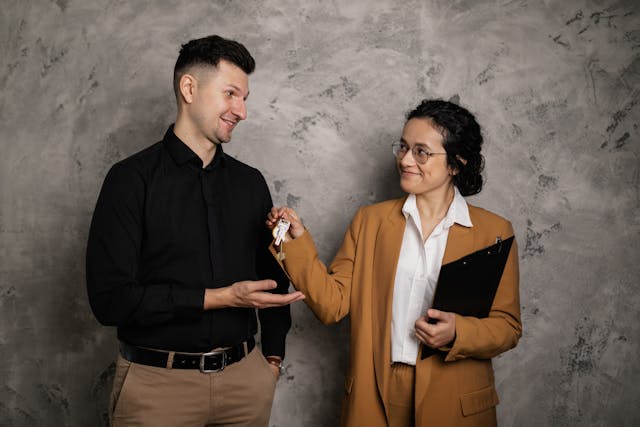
(239, 109)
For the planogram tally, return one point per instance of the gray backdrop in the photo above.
(554, 83)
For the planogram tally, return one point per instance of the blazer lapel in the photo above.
(459, 243)
(387, 249)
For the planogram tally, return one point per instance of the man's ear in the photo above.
(187, 85)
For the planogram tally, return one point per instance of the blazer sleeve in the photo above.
(327, 290)
(500, 331)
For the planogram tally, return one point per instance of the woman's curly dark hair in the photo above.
(461, 139)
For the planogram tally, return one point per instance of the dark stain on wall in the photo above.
(7, 294)
(580, 358)
(486, 75)
(581, 368)
(101, 391)
(622, 141)
(544, 112)
(621, 114)
(278, 184)
(547, 182)
(16, 41)
(52, 56)
(62, 4)
(516, 130)
(558, 40)
(346, 89)
(534, 240)
(56, 397)
(616, 120)
(302, 126)
(14, 409)
(577, 17)
(434, 73)
(104, 380)
(455, 99)
(420, 86)
(608, 16)
(293, 201)
(633, 37)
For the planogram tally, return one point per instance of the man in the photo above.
(177, 259)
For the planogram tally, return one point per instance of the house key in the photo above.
(280, 230)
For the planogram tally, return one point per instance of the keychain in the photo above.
(279, 232)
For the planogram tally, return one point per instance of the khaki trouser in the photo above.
(401, 393)
(241, 395)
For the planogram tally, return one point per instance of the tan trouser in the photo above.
(241, 395)
(401, 392)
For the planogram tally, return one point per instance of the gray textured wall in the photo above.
(555, 84)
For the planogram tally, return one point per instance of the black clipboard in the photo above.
(468, 285)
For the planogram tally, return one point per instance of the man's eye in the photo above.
(229, 93)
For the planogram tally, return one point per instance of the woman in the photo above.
(385, 273)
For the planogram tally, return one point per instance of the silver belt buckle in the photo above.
(213, 353)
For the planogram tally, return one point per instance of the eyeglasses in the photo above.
(420, 154)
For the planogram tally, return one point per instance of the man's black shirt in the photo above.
(163, 230)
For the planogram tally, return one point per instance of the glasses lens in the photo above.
(398, 149)
(421, 156)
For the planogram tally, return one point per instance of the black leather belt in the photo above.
(213, 361)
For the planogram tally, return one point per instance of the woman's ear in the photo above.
(454, 171)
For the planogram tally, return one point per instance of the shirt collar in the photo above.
(458, 211)
(181, 153)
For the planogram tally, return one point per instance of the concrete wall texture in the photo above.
(555, 85)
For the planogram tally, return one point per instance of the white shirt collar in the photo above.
(458, 212)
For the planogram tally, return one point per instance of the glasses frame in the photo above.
(418, 151)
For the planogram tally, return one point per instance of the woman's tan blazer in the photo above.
(453, 390)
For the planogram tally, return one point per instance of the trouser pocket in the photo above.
(122, 369)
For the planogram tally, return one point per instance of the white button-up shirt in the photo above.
(417, 274)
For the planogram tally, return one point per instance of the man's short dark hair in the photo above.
(208, 51)
(461, 139)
